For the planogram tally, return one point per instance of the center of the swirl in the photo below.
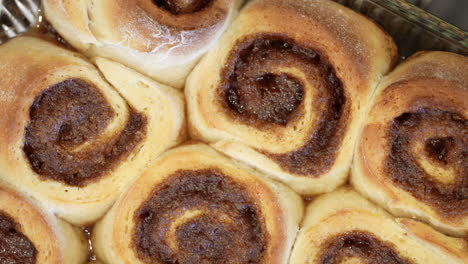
(227, 228)
(438, 147)
(265, 85)
(207, 237)
(15, 247)
(257, 88)
(178, 7)
(436, 172)
(64, 117)
(269, 97)
(359, 245)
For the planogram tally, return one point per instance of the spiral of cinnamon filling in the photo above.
(412, 156)
(180, 15)
(343, 227)
(361, 245)
(15, 247)
(62, 119)
(257, 92)
(177, 7)
(442, 137)
(199, 217)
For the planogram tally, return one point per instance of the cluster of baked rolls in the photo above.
(296, 138)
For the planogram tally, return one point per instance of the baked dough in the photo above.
(287, 95)
(411, 157)
(343, 227)
(73, 137)
(30, 234)
(161, 38)
(196, 206)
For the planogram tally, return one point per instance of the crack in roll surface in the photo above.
(199, 217)
(362, 245)
(444, 137)
(258, 92)
(67, 115)
(15, 247)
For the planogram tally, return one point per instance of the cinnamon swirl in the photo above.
(29, 234)
(161, 38)
(286, 95)
(69, 137)
(196, 206)
(343, 227)
(412, 157)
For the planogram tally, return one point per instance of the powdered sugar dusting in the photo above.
(144, 33)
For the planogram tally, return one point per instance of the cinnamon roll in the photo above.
(343, 227)
(161, 38)
(29, 234)
(286, 95)
(196, 206)
(412, 156)
(73, 136)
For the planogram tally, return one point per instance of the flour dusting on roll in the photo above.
(287, 95)
(73, 136)
(196, 206)
(160, 38)
(412, 157)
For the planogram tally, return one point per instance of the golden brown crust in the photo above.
(62, 121)
(75, 13)
(287, 93)
(153, 27)
(342, 226)
(53, 240)
(453, 246)
(410, 156)
(154, 40)
(187, 177)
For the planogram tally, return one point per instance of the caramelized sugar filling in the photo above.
(199, 217)
(67, 115)
(260, 91)
(361, 245)
(15, 247)
(444, 137)
(178, 7)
